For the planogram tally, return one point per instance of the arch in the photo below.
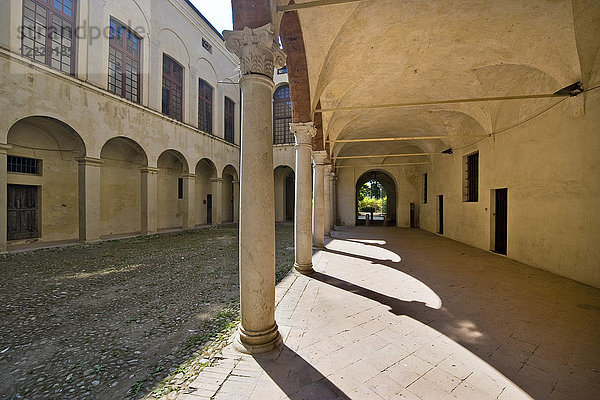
(284, 178)
(121, 186)
(55, 185)
(228, 192)
(206, 173)
(387, 181)
(282, 115)
(171, 166)
(172, 44)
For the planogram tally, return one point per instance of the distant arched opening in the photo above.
(284, 193)
(376, 199)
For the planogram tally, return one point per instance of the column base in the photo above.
(304, 269)
(257, 342)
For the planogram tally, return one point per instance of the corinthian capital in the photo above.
(257, 49)
(319, 157)
(304, 132)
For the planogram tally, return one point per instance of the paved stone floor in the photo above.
(403, 314)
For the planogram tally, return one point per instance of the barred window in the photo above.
(471, 177)
(282, 116)
(229, 119)
(124, 62)
(172, 89)
(48, 33)
(205, 104)
(23, 165)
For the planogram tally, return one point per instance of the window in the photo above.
(206, 45)
(282, 71)
(205, 95)
(229, 119)
(172, 101)
(471, 177)
(124, 62)
(425, 188)
(180, 188)
(48, 33)
(282, 116)
(23, 165)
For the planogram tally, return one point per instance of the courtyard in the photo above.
(111, 320)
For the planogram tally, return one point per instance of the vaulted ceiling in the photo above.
(365, 54)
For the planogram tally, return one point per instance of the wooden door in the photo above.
(501, 221)
(209, 208)
(441, 214)
(22, 217)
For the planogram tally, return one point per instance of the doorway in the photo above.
(209, 209)
(500, 220)
(441, 214)
(22, 216)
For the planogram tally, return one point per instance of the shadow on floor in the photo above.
(538, 329)
(297, 378)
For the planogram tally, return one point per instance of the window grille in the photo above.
(229, 119)
(471, 175)
(172, 99)
(23, 165)
(48, 33)
(282, 116)
(124, 62)
(205, 98)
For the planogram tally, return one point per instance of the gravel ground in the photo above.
(112, 320)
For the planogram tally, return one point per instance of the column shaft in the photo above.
(304, 132)
(333, 195)
(236, 201)
(89, 198)
(3, 199)
(217, 201)
(326, 201)
(149, 200)
(318, 199)
(189, 197)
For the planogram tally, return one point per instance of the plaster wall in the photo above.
(551, 169)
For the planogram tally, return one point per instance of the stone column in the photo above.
(217, 200)
(189, 200)
(304, 132)
(3, 199)
(318, 201)
(236, 201)
(89, 198)
(149, 200)
(327, 200)
(259, 54)
(333, 195)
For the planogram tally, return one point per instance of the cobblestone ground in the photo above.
(111, 320)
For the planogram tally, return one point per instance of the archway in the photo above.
(43, 180)
(121, 186)
(284, 193)
(205, 173)
(171, 166)
(229, 175)
(376, 199)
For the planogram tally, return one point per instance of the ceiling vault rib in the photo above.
(385, 155)
(382, 165)
(312, 4)
(439, 102)
(402, 138)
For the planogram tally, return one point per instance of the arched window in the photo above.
(282, 116)
(205, 98)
